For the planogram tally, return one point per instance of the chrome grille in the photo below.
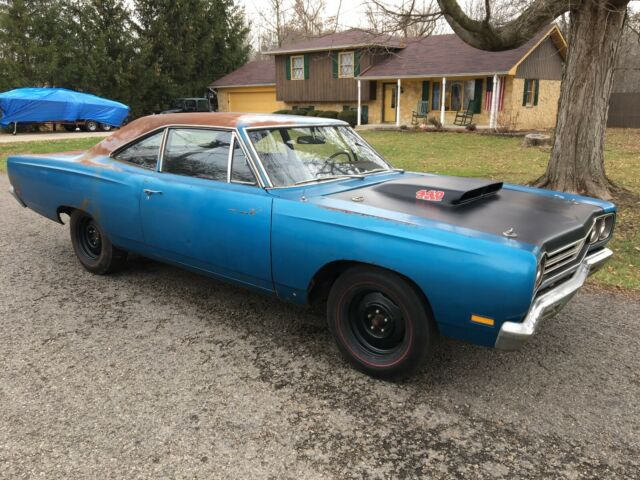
(564, 256)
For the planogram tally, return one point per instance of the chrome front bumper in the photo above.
(513, 335)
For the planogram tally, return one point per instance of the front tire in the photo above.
(380, 322)
(92, 246)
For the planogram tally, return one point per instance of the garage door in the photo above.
(254, 101)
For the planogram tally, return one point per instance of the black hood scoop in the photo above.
(439, 190)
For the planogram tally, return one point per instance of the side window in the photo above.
(197, 153)
(143, 153)
(240, 170)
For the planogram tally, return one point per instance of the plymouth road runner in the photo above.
(306, 210)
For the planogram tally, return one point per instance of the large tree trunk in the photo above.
(577, 159)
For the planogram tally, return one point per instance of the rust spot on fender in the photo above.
(249, 212)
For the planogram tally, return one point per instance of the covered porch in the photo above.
(455, 101)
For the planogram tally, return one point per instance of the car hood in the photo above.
(545, 219)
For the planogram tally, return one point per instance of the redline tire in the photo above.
(92, 246)
(380, 323)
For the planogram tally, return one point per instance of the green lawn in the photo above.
(481, 156)
(46, 146)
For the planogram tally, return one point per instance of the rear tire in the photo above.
(105, 128)
(380, 322)
(92, 246)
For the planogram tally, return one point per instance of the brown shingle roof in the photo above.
(439, 55)
(336, 41)
(257, 72)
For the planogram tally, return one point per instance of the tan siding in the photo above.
(320, 86)
(514, 116)
(544, 63)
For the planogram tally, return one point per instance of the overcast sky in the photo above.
(351, 12)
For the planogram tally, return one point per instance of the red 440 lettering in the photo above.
(430, 195)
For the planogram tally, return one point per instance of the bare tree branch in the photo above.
(486, 36)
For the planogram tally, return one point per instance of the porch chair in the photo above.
(420, 112)
(465, 117)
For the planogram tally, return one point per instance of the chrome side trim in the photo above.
(13, 193)
(513, 335)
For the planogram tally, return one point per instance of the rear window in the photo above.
(144, 153)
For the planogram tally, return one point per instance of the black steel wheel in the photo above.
(380, 322)
(92, 247)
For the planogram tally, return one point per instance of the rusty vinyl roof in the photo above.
(144, 125)
(255, 73)
(440, 55)
(339, 40)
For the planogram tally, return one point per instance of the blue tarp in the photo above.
(32, 105)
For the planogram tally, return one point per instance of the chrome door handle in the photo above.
(149, 192)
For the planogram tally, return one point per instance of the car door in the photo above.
(116, 196)
(204, 209)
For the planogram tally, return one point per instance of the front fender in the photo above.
(460, 274)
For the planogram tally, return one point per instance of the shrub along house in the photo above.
(388, 80)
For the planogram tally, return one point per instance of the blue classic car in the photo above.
(306, 210)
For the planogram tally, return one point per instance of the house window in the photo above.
(346, 63)
(435, 96)
(297, 67)
(530, 93)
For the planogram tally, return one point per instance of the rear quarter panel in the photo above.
(102, 188)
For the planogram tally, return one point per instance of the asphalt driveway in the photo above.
(160, 373)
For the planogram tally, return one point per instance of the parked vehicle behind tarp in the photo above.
(32, 106)
(183, 105)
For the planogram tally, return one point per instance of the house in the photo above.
(386, 78)
(250, 88)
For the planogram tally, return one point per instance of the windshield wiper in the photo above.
(325, 179)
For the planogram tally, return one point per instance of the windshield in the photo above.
(298, 155)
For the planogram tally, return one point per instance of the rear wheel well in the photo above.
(66, 210)
(323, 280)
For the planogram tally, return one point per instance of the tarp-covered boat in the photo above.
(36, 105)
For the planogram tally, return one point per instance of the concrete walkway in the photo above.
(38, 137)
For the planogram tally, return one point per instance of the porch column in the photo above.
(442, 96)
(398, 103)
(494, 102)
(359, 102)
(497, 95)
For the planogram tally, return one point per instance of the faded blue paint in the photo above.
(276, 240)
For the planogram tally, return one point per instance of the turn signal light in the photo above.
(483, 320)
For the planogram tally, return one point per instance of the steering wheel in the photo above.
(332, 168)
(341, 152)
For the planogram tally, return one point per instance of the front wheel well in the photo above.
(323, 280)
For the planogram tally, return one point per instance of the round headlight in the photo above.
(606, 227)
(593, 236)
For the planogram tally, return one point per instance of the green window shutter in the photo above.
(287, 66)
(477, 96)
(356, 61)
(334, 58)
(536, 91)
(306, 67)
(425, 90)
(524, 95)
